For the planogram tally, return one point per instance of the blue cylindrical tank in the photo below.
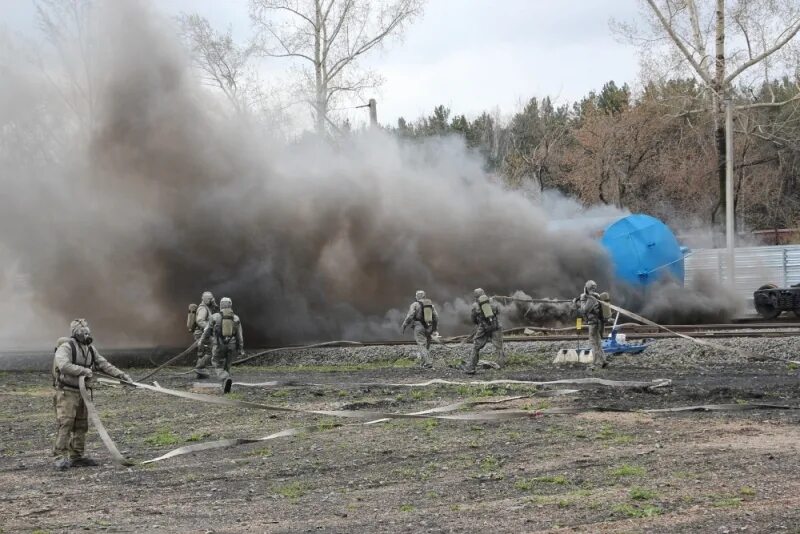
(643, 249)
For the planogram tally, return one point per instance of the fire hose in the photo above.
(374, 417)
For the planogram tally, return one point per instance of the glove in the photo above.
(126, 377)
(241, 354)
(87, 373)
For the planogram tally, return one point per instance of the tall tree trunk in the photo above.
(320, 85)
(719, 95)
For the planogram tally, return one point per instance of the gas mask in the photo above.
(81, 331)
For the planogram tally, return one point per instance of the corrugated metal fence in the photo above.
(755, 266)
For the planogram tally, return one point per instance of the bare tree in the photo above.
(722, 45)
(66, 25)
(218, 57)
(328, 38)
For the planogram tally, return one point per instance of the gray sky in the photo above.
(470, 55)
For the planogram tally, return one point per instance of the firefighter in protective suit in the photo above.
(425, 321)
(224, 329)
(199, 315)
(74, 357)
(487, 321)
(591, 310)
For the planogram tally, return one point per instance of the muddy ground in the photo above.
(592, 472)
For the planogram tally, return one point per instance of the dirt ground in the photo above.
(592, 472)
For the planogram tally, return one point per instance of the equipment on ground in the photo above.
(614, 344)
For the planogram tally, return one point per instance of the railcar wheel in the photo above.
(765, 309)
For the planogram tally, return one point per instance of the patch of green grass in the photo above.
(428, 425)
(197, 436)
(292, 491)
(463, 390)
(540, 405)
(474, 444)
(792, 366)
(235, 396)
(162, 437)
(455, 507)
(264, 452)
(489, 463)
(747, 491)
(516, 359)
(607, 433)
(641, 494)
(328, 424)
(626, 470)
(528, 484)
(513, 435)
(406, 508)
(645, 510)
(418, 394)
(492, 391)
(726, 502)
(279, 393)
(432, 495)
(525, 484)
(412, 473)
(557, 479)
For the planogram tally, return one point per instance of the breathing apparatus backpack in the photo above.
(228, 327)
(191, 319)
(486, 310)
(427, 311)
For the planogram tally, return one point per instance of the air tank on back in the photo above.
(643, 250)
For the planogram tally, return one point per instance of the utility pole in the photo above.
(729, 216)
(373, 112)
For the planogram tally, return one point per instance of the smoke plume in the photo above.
(129, 198)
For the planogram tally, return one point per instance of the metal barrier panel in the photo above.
(755, 266)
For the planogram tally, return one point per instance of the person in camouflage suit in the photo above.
(204, 311)
(424, 319)
(591, 310)
(485, 316)
(224, 329)
(74, 357)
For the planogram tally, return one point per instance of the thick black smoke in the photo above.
(125, 209)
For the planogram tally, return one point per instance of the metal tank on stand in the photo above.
(643, 250)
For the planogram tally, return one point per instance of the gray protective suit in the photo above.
(223, 348)
(75, 357)
(590, 309)
(422, 331)
(486, 330)
(205, 310)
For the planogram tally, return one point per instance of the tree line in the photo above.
(652, 152)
